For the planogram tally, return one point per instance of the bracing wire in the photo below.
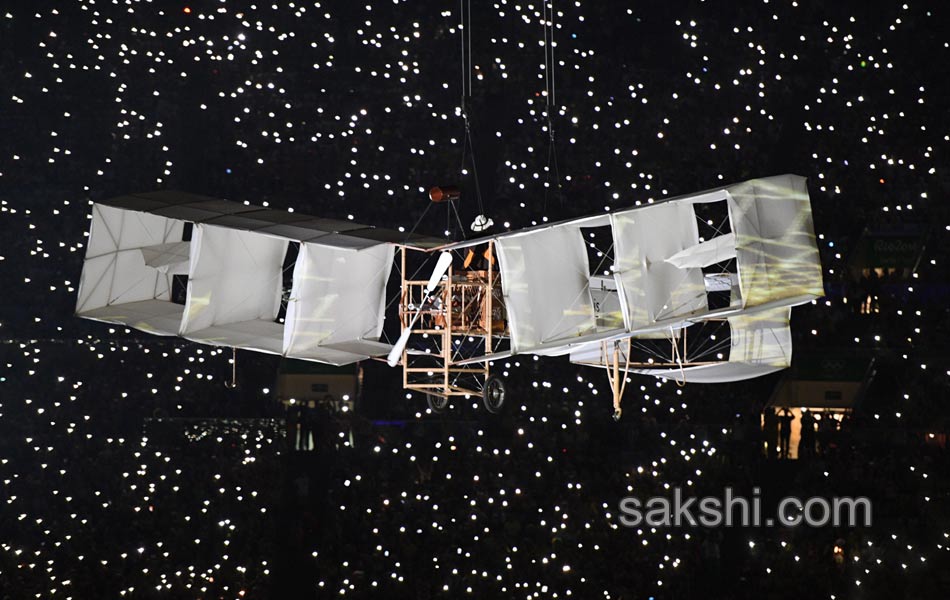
(454, 209)
(419, 220)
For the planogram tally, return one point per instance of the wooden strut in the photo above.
(447, 339)
(618, 384)
(443, 323)
(677, 358)
(403, 320)
(489, 318)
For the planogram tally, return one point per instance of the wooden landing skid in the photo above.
(615, 355)
(617, 383)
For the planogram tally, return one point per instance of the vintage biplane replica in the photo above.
(618, 291)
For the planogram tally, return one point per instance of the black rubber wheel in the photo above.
(437, 404)
(493, 395)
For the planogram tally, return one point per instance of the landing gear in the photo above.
(437, 404)
(613, 358)
(493, 396)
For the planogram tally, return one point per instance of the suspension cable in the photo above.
(466, 53)
(550, 101)
(468, 146)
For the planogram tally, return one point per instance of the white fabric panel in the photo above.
(589, 354)
(172, 257)
(776, 250)
(95, 283)
(671, 292)
(762, 338)
(721, 282)
(761, 344)
(362, 347)
(592, 355)
(133, 281)
(630, 269)
(718, 373)
(331, 356)
(159, 317)
(114, 271)
(653, 289)
(256, 334)
(606, 298)
(710, 252)
(561, 348)
(338, 297)
(235, 277)
(545, 277)
(117, 229)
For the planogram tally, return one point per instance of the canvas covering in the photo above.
(234, 267)
(337, 304)
(116, 284)
(545, 278)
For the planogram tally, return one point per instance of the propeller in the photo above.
(445, 259)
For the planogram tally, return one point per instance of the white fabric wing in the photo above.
(654, 290)
(704, 254)
(116, 285)
(761, 344)
(776, 252)
(545, 278)
(236, 278)
(719, 373)
(172, 258)
(338, 300)
(762, 338)
(721, 282)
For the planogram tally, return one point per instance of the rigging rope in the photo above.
(547, 21)
(468, 146)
